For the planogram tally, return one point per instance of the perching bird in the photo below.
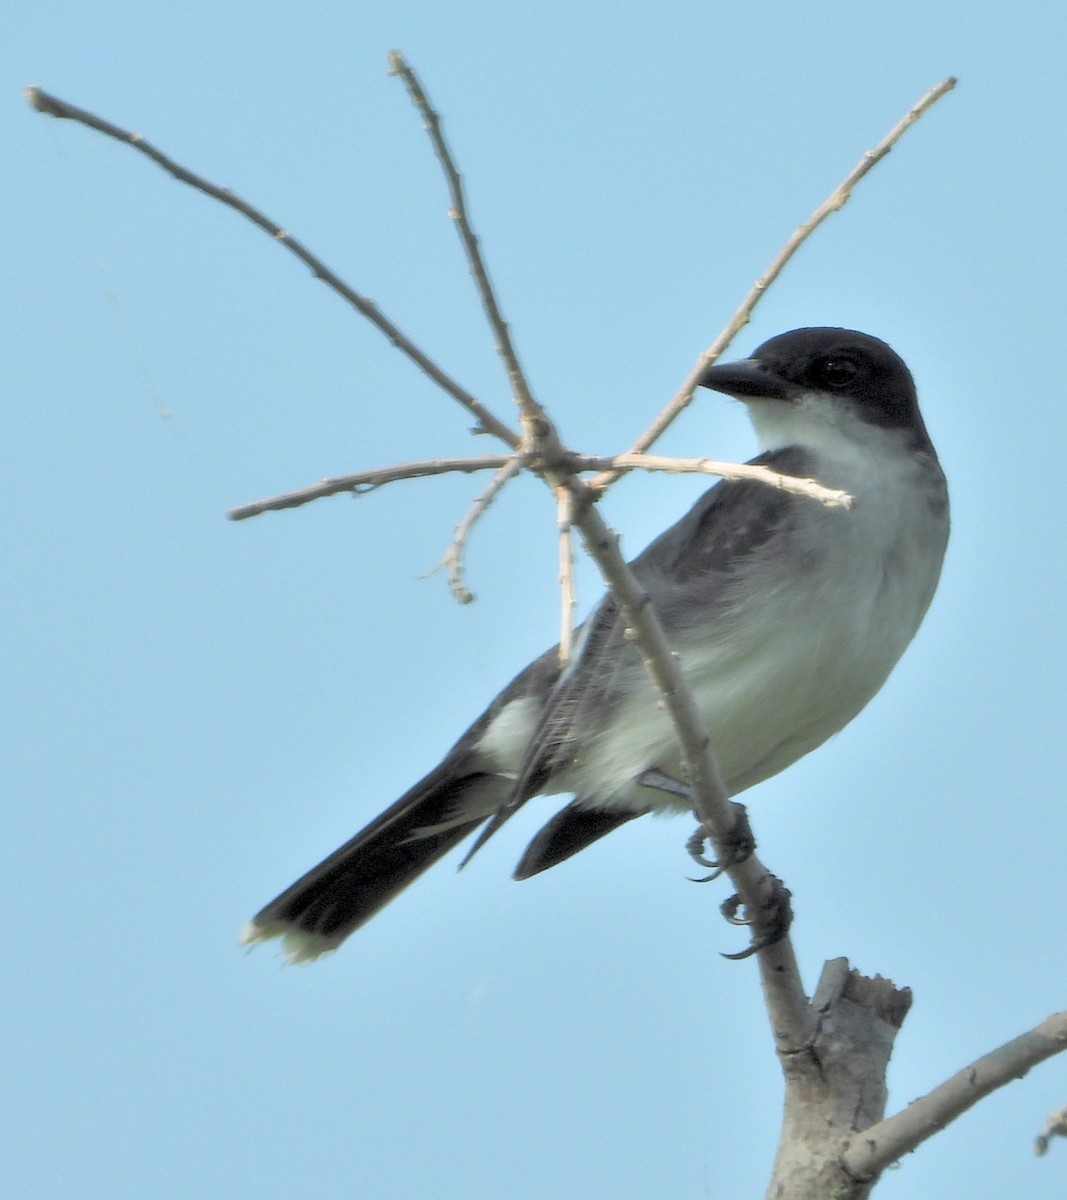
(787, 617)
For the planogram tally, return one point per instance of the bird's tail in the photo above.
(334, 899)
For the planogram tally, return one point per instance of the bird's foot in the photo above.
(734, 848)
(769, 923)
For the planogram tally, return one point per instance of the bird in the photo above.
(785, 615)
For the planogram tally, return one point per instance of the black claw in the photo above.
(738, 845)
(770, 923)
(695, 848)
(729, 909)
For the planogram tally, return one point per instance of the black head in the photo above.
(854, 367)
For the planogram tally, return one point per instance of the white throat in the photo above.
(818, 422)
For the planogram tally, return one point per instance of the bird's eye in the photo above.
(836, 373)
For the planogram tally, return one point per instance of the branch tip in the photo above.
(520, 386)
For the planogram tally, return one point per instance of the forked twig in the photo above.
(837, 199)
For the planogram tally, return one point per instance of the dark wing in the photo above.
(732, 521)
(586, 686)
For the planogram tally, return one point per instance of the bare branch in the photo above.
(871, 1151)
(568, 598)
(516, 376)
(368, 481)
(453, 559)
(54, 107)
(836, 200)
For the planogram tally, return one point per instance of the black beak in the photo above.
(747, 379)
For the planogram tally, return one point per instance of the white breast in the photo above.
(822, 625)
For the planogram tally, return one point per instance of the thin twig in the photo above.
(367, 481)
(54, 107)
(568, 597)
(453, 559)
(830, 497)
(836, 200)
(873, 1149)
(516, 376)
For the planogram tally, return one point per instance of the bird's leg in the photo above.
(660, 781)
(769, 923)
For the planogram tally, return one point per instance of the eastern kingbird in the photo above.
(787, 617)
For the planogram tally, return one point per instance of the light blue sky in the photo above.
(197, 711)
